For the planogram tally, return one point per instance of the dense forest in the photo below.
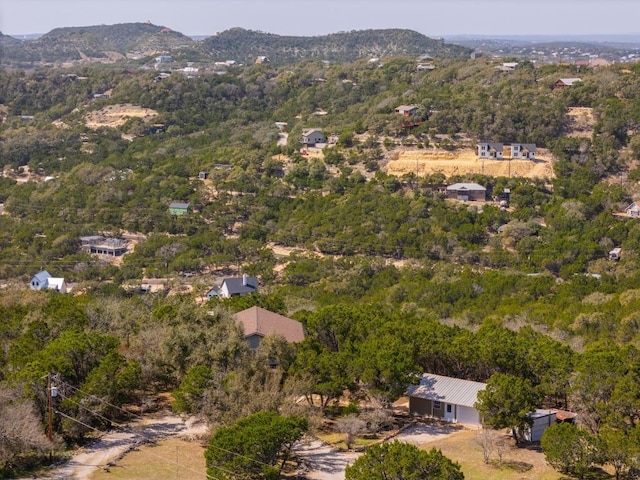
(388, 277)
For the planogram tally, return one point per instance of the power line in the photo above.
(62, 414)
(140, 417)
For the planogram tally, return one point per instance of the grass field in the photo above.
(170, 459)
(518, 463)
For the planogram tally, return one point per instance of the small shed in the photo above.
(178, 208)
(614, 254)
(543, 419)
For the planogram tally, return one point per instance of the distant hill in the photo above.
(76, 43)
(7, 41)
(245, 45)
(143, 39)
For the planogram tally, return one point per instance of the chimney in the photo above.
(245, 279)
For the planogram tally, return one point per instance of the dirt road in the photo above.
(114, 445)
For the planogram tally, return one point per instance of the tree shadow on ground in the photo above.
(520, 467)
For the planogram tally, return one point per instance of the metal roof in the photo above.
(447, 389)
(570, 81)
(239, 285)
(466, 186)
(180, 205)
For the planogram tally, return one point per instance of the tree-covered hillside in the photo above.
(245, 45)
(127, 43)
(389, 277)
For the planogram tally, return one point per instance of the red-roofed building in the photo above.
(258, 323)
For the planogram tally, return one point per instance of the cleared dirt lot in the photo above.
(464, 161)
(116, 115)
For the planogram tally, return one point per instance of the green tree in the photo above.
(569, 449)
(506, 403)
(620, 449)
(256, 446)
(402, 461)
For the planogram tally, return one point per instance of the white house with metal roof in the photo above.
(44, 281)
(446, 398)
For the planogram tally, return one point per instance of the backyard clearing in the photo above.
(115, 115)
(527, 463)
(465, 161)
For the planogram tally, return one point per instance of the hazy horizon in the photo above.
(440, 18)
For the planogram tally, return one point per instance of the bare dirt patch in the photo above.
(113, 446)
(582, 121)
(115, 115)
(465, 161)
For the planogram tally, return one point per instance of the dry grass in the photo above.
(518, 463)
(339, 440)
(174, 458)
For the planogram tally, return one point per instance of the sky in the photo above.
(434, 18)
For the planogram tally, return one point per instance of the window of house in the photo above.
(437, 405)
(449, 408)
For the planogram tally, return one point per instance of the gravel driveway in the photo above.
(323, 462)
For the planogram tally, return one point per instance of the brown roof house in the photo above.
(446, 398)
(258, 323)
(566, 82)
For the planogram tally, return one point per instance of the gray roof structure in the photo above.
(447, 389)
(237, 285)
(182, 205)
(466, 186)
(42, 276)
(570, 81)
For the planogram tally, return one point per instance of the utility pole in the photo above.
(49, 409)
(52, 392)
